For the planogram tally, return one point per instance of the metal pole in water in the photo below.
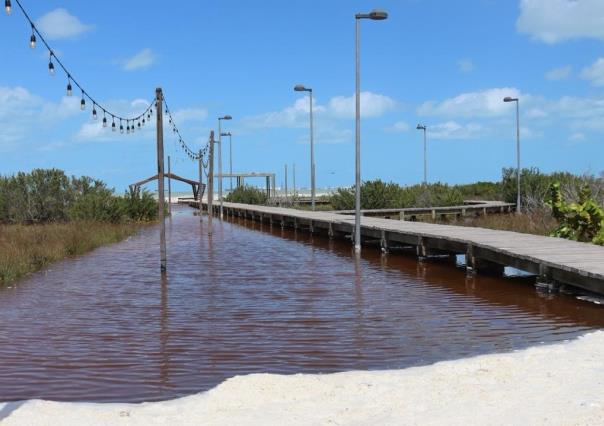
(169, 187)
(211, 183)
(160, 178)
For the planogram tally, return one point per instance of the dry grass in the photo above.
(537, 223)
(29, 248)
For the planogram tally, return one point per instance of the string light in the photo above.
(51, 66)
(195, 156)
(121, 126)
(32, 39)
(54, 61)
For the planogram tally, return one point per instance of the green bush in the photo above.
(45, 196)
(247, 195)
(580, 221)
(381, 195)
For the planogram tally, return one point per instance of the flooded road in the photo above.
(251, 299)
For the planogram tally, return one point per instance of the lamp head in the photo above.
(510, 99)
(378, 15)
(225, 134)
(420, 127)
(301, 88)
(226, 117)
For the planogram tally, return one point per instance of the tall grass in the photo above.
(29, 248)
(537, 222)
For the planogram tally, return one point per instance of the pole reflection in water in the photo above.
(253, 299)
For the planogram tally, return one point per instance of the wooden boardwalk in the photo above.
(555, 261)
(469, 207)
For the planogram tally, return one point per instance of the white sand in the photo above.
(558, 384)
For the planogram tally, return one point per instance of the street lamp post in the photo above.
(230, 159)
(226, 117)
(376, 15)
(424, 128)
(302, 88)
(510, 99)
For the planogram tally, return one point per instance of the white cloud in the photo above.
(465, 65)
(487, 103)
(329, 135)
(142, 60)
(372, 105)
(576, 137)
(455, 130)
(189, 114)
(399, 126)
(60, 24)
(595, 72)
(536, 113)
(560, 73)
(293, 116)
(553, 21)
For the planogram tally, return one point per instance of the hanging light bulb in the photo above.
(83, 102)
(127, 127)
(7, 6)
(69, 88)
(121, 126)
(113, 128)
(51, 66)
(32, 39)
(94, 112)
(143, 121)
(139, 125)
(104, 119)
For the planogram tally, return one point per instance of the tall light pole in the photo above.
(302, 88)
(509, 99)
(226, 117)
(423, 127)
(376, 15)
(230, 159)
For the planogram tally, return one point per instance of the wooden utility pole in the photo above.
(160, 178)
(210, 182)
(199, 191)
(169, 187)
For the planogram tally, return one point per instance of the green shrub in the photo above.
(247, 195)
(580, 221)
(45, 196)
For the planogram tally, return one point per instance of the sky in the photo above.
(444, 64)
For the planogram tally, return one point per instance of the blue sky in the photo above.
(441, 63)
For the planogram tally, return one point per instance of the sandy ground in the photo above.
(555, 385)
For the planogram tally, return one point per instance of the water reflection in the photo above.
(253, 298)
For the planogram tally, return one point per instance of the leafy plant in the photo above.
(580, 221)
(247, 195)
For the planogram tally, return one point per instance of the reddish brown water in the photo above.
(106, 327)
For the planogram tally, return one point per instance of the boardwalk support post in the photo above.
(384, 242)
(545, 282)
